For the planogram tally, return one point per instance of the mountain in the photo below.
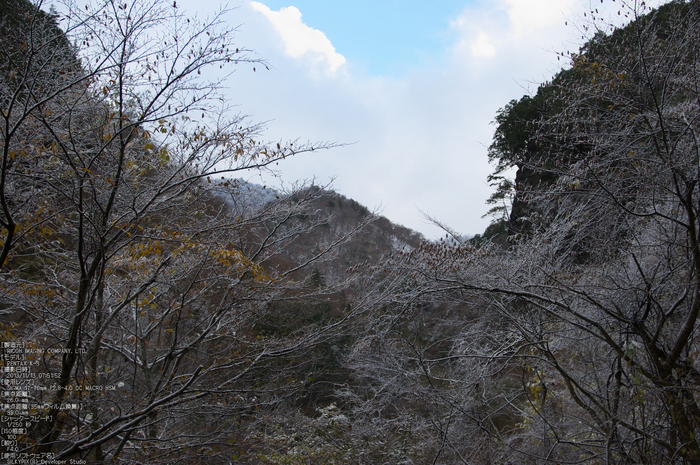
(197, 309)
(541, 152)
(246, 197)
(370, 238)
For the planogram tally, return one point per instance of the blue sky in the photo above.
(411, 87)
(385, 37)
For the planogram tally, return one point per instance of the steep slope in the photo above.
(370, 238)
(540, 154)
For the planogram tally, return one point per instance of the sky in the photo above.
(407, 88)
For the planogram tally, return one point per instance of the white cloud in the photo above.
(418, 141)
(531, 16)
(483, 46)
(300, 39)
(508, 26)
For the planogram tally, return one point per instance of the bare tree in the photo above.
(579, 343)
(124, 256)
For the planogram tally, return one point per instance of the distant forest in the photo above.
(155, 308)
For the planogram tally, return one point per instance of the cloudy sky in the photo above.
(411, 86)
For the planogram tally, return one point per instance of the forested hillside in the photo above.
(154, 307)
(568, 332)
(157, 308)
